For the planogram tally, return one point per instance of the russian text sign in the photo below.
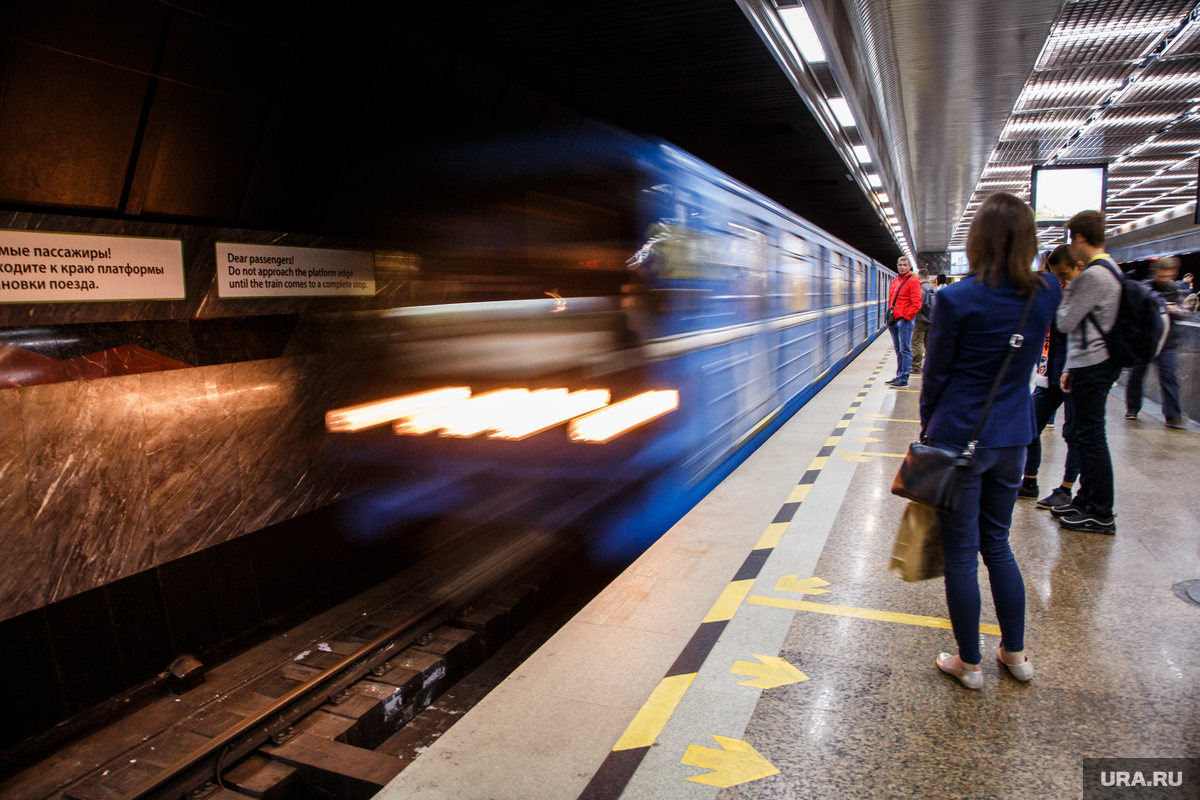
(256, 270)
(38, 267)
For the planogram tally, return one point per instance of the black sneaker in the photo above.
(1131, 415)
(899, 385)
(1065, 508)
(1028, 489)
(1087, 522)
(1059, 497)
(1177, 422)
(892, 382)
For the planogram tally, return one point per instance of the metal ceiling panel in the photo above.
(1070, 51)
(945, 75)
(1120, 69)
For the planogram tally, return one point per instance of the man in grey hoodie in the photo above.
(1088, 309)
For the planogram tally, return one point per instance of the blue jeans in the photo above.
(980, 526)
(1046, 400)
(902, 333)
(1168, 378)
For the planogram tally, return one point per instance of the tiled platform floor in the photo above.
(1116, 653)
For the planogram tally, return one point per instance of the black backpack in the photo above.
(1138, 335)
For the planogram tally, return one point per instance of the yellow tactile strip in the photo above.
(620, 764)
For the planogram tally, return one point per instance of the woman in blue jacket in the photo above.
(973, 321)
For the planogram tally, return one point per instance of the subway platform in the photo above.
(761, 649)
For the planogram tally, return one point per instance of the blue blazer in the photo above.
(968, 337)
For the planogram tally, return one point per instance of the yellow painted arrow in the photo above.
(792, 583)
(772, 672)
(856, 458)
(869, 430)
(865, 439)
(736, 763)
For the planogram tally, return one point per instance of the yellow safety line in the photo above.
(771, 536)
(727, 604)
(862, 613)
(652, 717)
(890, 419)
(833, 440)
(819, 462)
(868, 453)
(800, 493)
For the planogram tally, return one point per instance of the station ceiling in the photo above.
(1117, 82)
(298, 116)
(294, 116)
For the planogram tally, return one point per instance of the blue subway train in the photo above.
(706, 288)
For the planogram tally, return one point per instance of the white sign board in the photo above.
(40, 267)
(257, 270)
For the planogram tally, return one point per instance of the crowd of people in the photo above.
(1059, 323)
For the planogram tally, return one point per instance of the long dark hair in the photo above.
(1002, 242)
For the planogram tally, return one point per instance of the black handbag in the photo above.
(889, 316)
(933, 475)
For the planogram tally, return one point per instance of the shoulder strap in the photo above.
(897, 297)
(1014, 344)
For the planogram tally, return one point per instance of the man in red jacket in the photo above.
(904, 301)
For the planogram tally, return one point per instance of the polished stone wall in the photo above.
(101, 479)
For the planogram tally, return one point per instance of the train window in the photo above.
(798, 272)
(859, 282)
(747, 254)
(838, 281)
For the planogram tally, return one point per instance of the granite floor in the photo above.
(1116, 652)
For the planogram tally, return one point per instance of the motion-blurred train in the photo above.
(654, 271)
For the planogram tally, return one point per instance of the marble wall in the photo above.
(101, 479)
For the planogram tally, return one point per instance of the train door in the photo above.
(801, 345)
(749, 256)
(823, 278)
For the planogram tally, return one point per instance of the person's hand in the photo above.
(1065, 381)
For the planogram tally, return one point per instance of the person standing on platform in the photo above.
(904, 301)
(921, 323)
(1089, 307)
(974, 321)
(1186, 286)
(1048, 395)
(1163, 274)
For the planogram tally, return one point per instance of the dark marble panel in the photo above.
(75, 150)
(274, 556)
(208, 54)
(85, 446)
(139, 617)
(277, 436)
(36, 702)
(85, 649)
(188, 592)
(26, 557)
(195, 482)
(235, 592)
(228, 340)
(124, 33)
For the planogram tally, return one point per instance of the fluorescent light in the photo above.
(1145, 119)
(883, 198)
(609, 423)
(874, 181)
(547, 408)
(379, 412)
(803, 34)
(860, 152)
(464, 418)
(841, 110)
(891, 212)
(1067, 87)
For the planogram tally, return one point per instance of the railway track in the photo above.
(319, 711)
